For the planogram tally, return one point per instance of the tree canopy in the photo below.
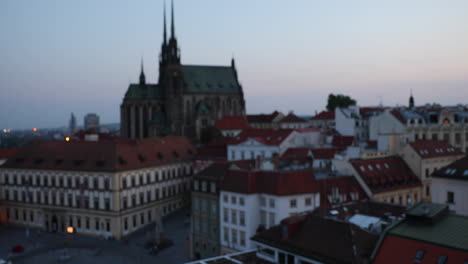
(339, 100)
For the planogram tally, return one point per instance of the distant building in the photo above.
(231, 126)
(292, 121)
(108, 188)
(72, 125)
(450, 186)
(426, 156)
(265, 120)
(324, 119)
(91, 121)
(354, 121)
(255, 199)
(428, 234)
(186, 100)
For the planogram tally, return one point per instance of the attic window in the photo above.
(19, 160)
(58, 161)
(465, 173)
(141, 158)
(176, 154)
(386, 165)
(362, 168)
(122, 161)
(378, 166)
(160, 156)
(38, 161)
(370, 167)
(78, 162)
(100, 163)
(442, 260)
(419, 256)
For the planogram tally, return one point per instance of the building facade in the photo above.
(91, 121)
(186, 100)
(106, 188)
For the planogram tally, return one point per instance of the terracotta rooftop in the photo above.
(386, 174)
(270, 182)
(345, 186)
(217, 149)
(321, 239)
(292, 118)
(324, 115)
(232, 123)
(265, 136)
(434, 148)
(324, 153)
(456, 170)
(297, 154)
(342, 142)
(5, 153)
(262, 118)
(108, 155)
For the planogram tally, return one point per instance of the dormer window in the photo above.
(442, 260)
(38, 161)
(160, 156)
(58, 161)
(141, 158)
(176, 154)
(78, 162)
(122, 161)
(419, 256)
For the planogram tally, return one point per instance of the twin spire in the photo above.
(172, 22)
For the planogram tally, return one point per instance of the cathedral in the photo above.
(186, 100)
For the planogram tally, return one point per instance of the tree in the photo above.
(339, 100)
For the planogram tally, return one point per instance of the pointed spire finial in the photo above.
(233, 63)
(165, 34)
(142, 74)
(172, 19)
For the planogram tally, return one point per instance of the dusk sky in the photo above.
(63, 56)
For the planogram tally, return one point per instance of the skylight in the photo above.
(465, 173)
(362, 168)
(419, 256)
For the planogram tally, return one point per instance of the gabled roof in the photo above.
(342, 142)
(109, 155)
(456, 170)
(324, 115)
(297, 154)
(345, 186)
(5, 153)
(369, 111)
(262, 118)
(385, 174)
(320, 239)
(146, 91)
(324, 153)
(272, 137)
(434, 148)
(270, 182)
(232, 123)
(292, 118)
(210, 79)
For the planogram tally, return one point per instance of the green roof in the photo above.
(210, 79)
(449, 231)
(137, 91)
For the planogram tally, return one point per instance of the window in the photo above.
(225, 198)
(419, 256)
(107, 204)
(213, 187)
(308, 201)
(204, 186)
(272, 203)
(242, 238)
(142, 218)
(242, 218)
(234, 217)
(263, 218)
(293, 203)
(450, 197)
(442, 260)
(262, 201)
(134, 220)
(195, 185)
(272, 219)
(226, 234)
(78, 222)
(233, 199)
(96, 223)
(108, 225)
(234, 236)
(125, 223)
(87, 223)
(225, 215)
(241, 201)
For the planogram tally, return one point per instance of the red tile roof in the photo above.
(345, 185)
(5, 153)
(398, 116)
(232, 123)
(216, 150)
(324, 153)
(292, 118)
(407, 249)
(386, 174)
(456, 170)
(297, 154)
(342, 142)
(369, 111)
(270, 182)
(262, 118)
(108, 155)
(434, 148)
(321, 239)
(272, 137)
(324, 115)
